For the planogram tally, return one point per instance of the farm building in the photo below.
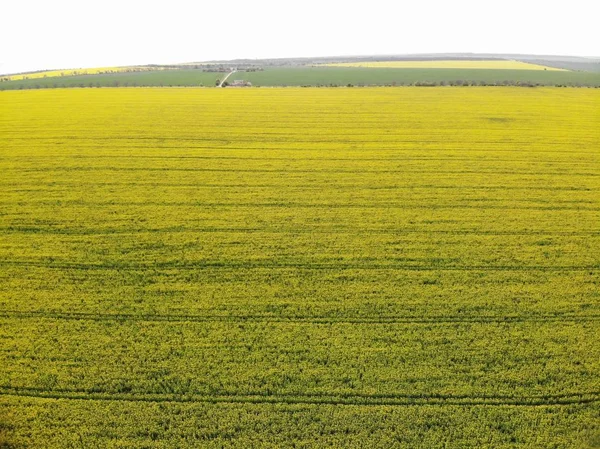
(240, 83)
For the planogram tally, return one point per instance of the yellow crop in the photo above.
(450, 64)
(265, 268)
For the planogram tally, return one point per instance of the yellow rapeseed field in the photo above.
(448, 64)
(263, 268)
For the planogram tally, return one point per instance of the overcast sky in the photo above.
(42, 34)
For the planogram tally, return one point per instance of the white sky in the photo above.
(42, 34)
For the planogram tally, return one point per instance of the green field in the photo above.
(316, 76)
(157, 78)
(266, 268)
(386, 76)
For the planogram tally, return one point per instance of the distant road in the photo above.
(225, 79)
